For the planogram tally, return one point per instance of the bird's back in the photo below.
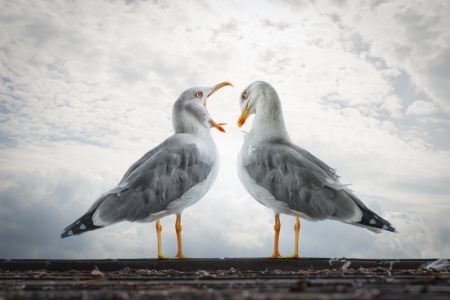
(161, 177)
(300, 181)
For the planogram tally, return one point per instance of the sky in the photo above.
(87, 88)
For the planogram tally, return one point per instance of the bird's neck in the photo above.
(269, 121)
(189, 125)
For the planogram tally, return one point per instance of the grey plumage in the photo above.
(156, 182)
(287, 178)
(305, 183)
(151, 184)
(168, 178)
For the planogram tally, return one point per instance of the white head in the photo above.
(258, 94)
(189, 113)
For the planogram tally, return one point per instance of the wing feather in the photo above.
(303, 182)
(160, 177)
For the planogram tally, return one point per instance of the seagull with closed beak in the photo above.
(289, 179)
(167, 179)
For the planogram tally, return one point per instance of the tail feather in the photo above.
(80, 226)
(370, 220)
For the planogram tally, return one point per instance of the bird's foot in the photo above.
(181, 256)
(275, 255)
(295, 255)
(160, 256)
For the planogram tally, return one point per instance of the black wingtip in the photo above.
(80, 226)
(371, 219)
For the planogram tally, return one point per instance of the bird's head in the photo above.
(251, 96)
(190, 111)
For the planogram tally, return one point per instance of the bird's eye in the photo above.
(244, 95)
(198, 95)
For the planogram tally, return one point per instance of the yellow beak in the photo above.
(220, 85)
(243, 117)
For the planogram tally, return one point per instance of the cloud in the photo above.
(421, 108)
(88, 87)
(410, 36)
(279, 25)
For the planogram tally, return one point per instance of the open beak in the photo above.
(243, 117)
(217, 125)
(217, 87)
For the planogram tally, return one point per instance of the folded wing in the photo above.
(307, 185)
(150, 185)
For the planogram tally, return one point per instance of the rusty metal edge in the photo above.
(192, 265)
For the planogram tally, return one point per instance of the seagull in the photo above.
(167, 179)
(289, 179)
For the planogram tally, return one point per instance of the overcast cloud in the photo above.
(87, 87)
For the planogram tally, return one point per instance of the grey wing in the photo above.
(153, 182)
(141, 161)
(330, 171)
(295, 178)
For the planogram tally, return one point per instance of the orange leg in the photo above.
(158, 233)
(277, 228)
(297, 233)
(178, 228)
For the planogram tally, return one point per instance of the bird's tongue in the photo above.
(217, 125)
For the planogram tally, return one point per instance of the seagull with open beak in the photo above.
(167, 179)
